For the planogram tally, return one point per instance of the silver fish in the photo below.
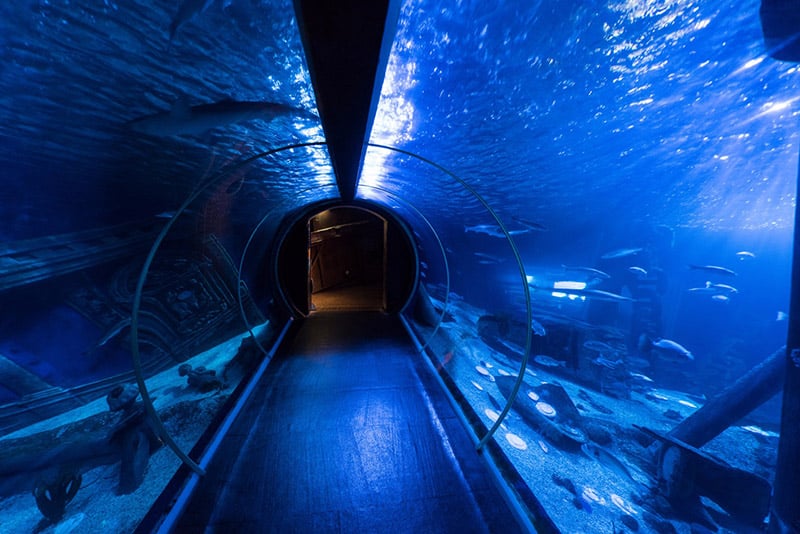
(597, 273)
(191, 120)
(494, 402)
(538, 328)
(620, 253)
(489, 257)
(596, 294)
(607, 459)
(530, 225)
(640, 376)
(712, 269)
(597, 346)
(547, 361)
(513, 347)
(715, 290)
(638, 271)
(605, 362)
(492, 230)
(669, 346)
(723, 287)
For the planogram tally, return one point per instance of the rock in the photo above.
(662, 526)
(202, 379)
(565, 483)
(629, 522)
(597, 433)
(122, 397)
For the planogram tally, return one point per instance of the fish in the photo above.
(620, 253)
(723, 287)
(638, 271)
(489, 257)
(699, 398)
(712, 269)
(483, 371)
(745, 254)
(492, 230)
(715, 289)
(547, 361)
(760, 431)
(656, 395)
(537, 328)
(513, 347)
(186, 12)
(112, 332)
(721, 298)
(664, 346)
(607, 459)
(494, 402)
(639, 363)
(597, 294)
(706, 290)
(782, 316)
(183, 119)
(565, 483)
(605, 362)
(640, 376)
(530, 225)
(596, 273)
(597, 346)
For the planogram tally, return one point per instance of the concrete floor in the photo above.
(349, 433)
(352, 298)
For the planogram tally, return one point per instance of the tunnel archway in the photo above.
(345, 257)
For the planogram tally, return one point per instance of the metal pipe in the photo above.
(529, 314)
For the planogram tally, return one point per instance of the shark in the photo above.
(183, 119)
(187, 11)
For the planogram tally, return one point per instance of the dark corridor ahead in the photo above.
(348, 432)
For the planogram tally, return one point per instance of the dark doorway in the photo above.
(346, 260)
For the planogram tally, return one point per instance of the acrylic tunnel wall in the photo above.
(605, 190)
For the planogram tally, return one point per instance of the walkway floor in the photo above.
(348, 433)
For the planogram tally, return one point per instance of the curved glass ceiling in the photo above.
(76, 75)
(569, 113)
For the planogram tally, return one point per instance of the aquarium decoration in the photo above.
(53, 496)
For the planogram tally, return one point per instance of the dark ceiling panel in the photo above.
(346, 55)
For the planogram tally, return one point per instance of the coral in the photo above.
(52, 496)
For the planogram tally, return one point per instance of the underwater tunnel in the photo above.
(418, 265)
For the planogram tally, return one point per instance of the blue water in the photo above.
(656, 125)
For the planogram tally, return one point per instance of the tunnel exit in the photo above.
(346, 260)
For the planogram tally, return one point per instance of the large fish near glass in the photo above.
(183, 119)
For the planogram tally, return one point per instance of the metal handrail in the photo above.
(521, 267)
